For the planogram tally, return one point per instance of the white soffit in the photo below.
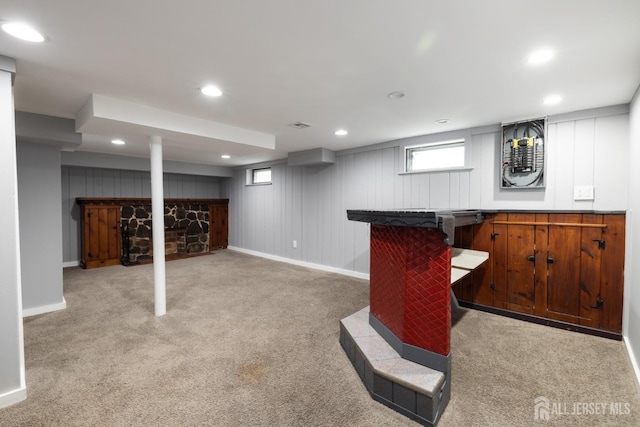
(103, 115)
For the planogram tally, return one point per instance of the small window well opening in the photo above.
(437, 155)
(259, 176)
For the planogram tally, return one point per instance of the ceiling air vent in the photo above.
(300, 125)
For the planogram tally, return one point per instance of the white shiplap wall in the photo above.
(581, 151)
(308, 204)
(98, 182)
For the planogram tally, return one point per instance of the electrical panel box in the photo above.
(522, 154)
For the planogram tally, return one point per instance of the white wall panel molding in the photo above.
(611, 166)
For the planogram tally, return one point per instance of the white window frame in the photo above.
(251, 173)
(454, 143)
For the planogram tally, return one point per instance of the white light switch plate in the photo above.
(583, 192)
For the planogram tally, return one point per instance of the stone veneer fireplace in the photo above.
(117, 230)
(175, 242)
(186, 230)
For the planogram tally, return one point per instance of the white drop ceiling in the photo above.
(327, 63)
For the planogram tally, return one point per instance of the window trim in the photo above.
(251, 176)
(452, 169)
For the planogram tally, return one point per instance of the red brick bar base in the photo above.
(410, 284)
(410, 296)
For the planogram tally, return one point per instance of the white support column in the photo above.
(157, 226)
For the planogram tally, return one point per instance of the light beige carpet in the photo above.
(252, 342)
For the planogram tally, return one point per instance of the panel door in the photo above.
(218, 226)
(520, 263)
(591, 254)
(102, 235)
(612, 272)
(574, 262)
(500, 264)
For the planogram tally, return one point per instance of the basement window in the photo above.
(259, 176)
(435, 156)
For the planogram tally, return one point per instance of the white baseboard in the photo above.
(26, 312)
(70, 264)
(342, 271)
(12, 397)
(634, 360)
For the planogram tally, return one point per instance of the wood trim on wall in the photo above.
(558, 224)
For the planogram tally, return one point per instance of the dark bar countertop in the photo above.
(445, 220)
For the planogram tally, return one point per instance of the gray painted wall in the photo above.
(308, 204)
(631, 325)
(11, 341)
(99, 182)
(40, 198)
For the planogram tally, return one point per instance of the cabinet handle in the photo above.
(550, 260)
(532, 258)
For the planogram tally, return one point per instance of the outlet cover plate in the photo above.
(583, 192)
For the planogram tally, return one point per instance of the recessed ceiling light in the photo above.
(396, 95)
(341, 132)
(211, 90)
(117, 142)
(225, 156)
(540, 56)
(442, 121)
(552, 99)
(23, 31)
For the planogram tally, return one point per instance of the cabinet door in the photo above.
(101, 235)
(612, 273)
(590, 271)
(574, 264)
(219, 229)
(520, 263)
(563, 266)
